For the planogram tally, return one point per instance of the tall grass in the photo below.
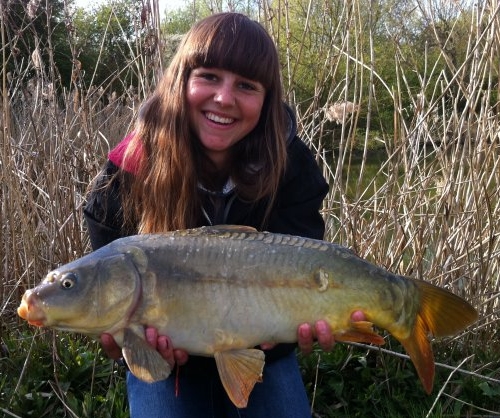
(429, 209)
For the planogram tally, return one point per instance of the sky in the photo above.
(163, 4)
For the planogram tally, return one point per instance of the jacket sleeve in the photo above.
(301, 195)
(103, 211)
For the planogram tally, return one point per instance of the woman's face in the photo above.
(223, 108)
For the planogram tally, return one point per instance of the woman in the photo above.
(214, 144)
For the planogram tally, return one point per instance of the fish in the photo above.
(222, 291)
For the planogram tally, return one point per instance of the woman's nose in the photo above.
(224, 95)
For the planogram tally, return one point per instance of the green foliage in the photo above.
(178, 22)
(356, 382)
(61, 375)
(107, 41)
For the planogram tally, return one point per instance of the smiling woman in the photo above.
(214, 144)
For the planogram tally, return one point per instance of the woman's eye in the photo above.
(208, 76)
(247, 86)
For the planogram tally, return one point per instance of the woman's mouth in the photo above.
(218, 119)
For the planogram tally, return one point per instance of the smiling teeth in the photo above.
(219, 119)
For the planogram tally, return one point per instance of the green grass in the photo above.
(355, 382)
(52, 374)
(49, 374)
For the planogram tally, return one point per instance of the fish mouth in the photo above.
(30, 311)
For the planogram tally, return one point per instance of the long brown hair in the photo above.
(163, 195)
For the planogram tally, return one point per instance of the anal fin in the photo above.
(239, 371)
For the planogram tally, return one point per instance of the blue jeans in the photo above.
(281, 394)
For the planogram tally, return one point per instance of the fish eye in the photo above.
(68, 280)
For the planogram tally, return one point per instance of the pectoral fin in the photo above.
(143, 360)
(360, 332)
(239, 370)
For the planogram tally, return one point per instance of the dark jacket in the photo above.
(295, 212)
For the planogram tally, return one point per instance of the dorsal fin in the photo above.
(229, 228)
(223, 231)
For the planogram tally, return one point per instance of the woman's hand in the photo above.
(161, 343)
(306, 334)
(112, 350)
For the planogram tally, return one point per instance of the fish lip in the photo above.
(37, 323)
(30, 311)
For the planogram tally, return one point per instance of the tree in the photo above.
(36, 39)
(108, 44)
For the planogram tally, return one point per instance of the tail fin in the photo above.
(441, 313)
